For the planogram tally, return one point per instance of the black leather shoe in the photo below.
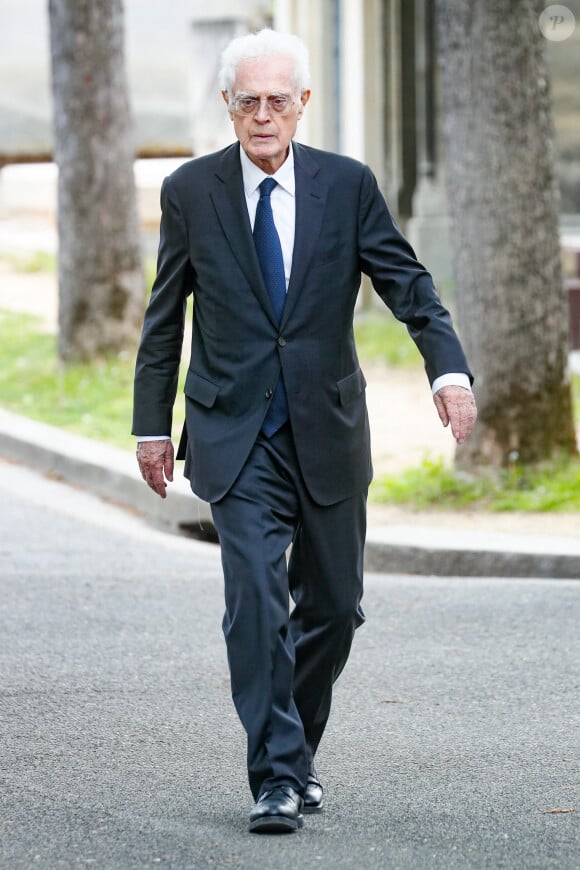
(313, 795)
(278, 811)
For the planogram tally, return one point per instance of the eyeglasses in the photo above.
(246, 104)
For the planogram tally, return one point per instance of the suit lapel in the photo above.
(230, 204)
(310, 203)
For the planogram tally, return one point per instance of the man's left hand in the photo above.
(456, 406)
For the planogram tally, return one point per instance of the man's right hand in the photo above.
(155, 460)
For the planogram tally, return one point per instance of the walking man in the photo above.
(271, 238)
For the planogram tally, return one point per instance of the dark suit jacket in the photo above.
(343, 228)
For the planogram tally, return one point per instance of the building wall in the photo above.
(362, 102)
(167, 73)
(376, 83)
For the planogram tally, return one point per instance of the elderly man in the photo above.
(271, 238)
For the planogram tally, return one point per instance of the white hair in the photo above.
(264, 43)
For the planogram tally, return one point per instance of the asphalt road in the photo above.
(454, 731)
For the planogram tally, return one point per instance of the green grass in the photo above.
(381, 338)
(433, 484)
(554, 486)
(40, 261)
(92, 399)
(95, 399)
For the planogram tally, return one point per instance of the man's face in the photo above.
(265, 135)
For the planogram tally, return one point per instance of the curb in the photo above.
(113, 475)
(108, 472)
(445, 553)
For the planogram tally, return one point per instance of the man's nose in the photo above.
(263, 111)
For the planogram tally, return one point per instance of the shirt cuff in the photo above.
(453, 379)
(152, 438)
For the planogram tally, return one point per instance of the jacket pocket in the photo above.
(200, 390)
(351, 387)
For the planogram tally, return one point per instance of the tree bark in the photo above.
(101, 292)
(511, 305)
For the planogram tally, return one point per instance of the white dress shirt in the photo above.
(283, 199)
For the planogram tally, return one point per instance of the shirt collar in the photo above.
(253, 175)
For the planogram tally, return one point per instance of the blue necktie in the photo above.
(271, 262)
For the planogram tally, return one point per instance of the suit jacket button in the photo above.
(281, 341)
(269, 393)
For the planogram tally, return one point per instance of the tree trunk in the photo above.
(101, 292)
(511, 305)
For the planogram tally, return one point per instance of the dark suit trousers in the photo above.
(283, 666)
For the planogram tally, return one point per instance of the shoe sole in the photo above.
(275, 825)
(313, 809)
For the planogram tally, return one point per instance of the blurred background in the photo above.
(378, 96)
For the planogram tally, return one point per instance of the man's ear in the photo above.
(227, 102)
